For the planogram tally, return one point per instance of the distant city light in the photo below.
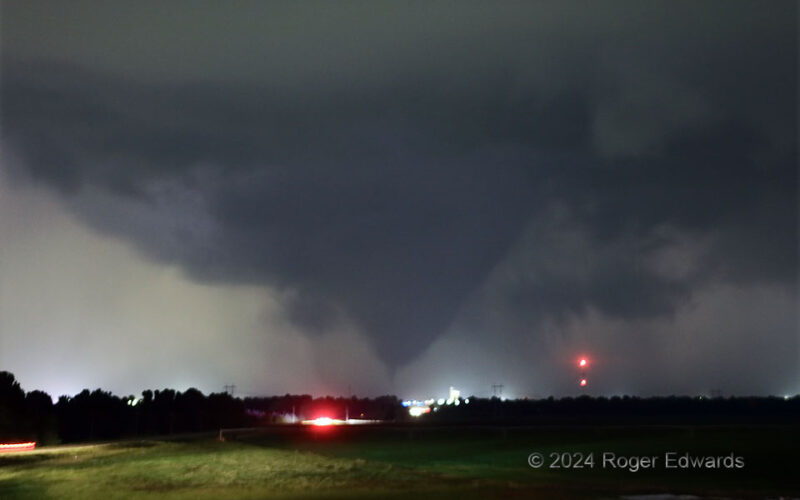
(453, 396)
(417, 411)
(417, 408)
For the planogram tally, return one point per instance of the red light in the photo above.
(582, 362)
(583, 382)
(322, 421)
(7, 448)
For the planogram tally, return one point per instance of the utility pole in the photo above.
(347, 403)
(230, 389)
(497, 390)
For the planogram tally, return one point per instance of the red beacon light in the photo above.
(582, 363)
(583, 382)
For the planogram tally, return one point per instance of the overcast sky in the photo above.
(396, 197)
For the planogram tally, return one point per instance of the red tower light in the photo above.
(583, 382)
(582, 363)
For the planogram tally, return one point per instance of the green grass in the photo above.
(368, 463)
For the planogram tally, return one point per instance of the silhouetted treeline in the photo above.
(622, 410)
(100, 415)
(275, 409)
(23, 416)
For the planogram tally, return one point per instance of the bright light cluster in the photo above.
(327, 421)
(416, 411)
(418, 408)
(323, 421)
(454, 395)
(415, 402)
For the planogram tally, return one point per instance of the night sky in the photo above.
(396, 197)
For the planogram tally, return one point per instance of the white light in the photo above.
(454, 393)
(466, 401)
(323, 421)
(441, 401)
(416, 411)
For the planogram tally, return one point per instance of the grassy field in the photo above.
(403, 462)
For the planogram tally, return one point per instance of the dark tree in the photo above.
(12, 409)
(41, 417)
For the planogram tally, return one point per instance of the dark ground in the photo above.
(413, 460)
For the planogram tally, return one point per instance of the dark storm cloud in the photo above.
(379, 166)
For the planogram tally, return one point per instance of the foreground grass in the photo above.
(459, 463)
(205, 469)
